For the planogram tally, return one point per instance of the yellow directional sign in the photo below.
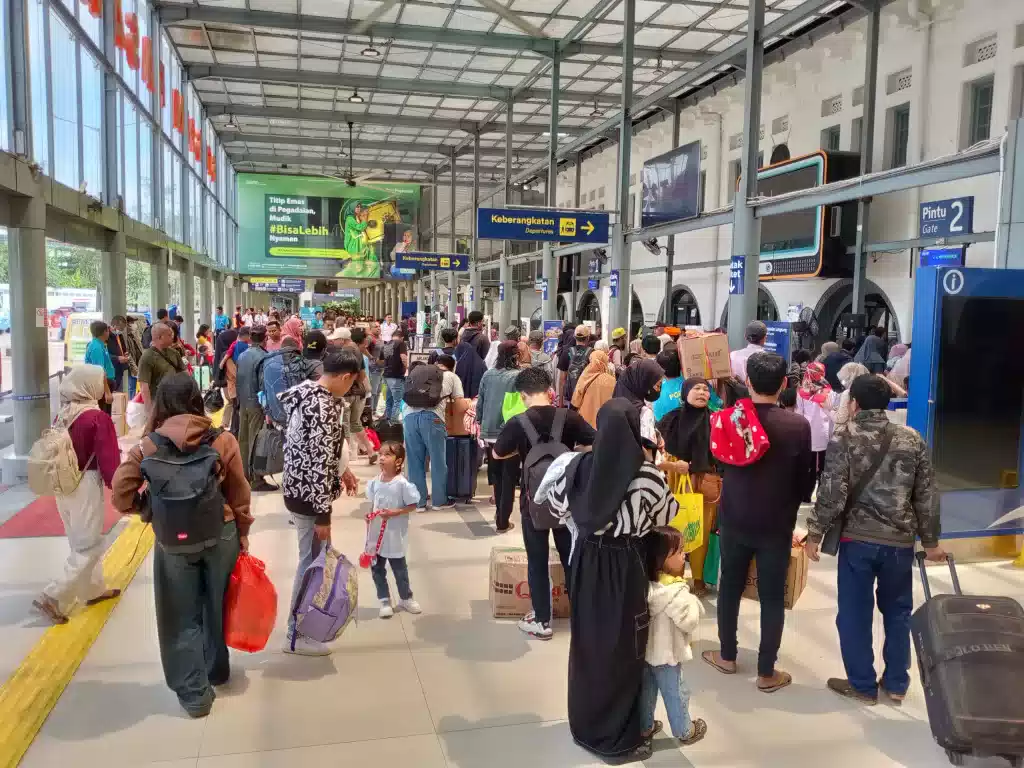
(588, 228)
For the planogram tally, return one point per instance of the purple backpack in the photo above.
(328, 598)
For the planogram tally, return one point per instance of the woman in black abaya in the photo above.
(613, 496)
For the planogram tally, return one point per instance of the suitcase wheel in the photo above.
(955, 758)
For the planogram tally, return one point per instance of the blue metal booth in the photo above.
(967, 393)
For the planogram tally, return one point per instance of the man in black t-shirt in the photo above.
(396, 363)
(512, 446)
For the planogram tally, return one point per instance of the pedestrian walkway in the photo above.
(452, 687)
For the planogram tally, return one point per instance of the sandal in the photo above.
(782, 679)
(700, 729)
(49, 608)
(655, 730)
(505, 530)
(699, 590)
(710, 658)
(110, 594)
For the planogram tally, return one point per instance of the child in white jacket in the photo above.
(674, 613)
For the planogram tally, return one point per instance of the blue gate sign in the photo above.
(544, 289)
(501, 291)
(736, 267)
(542, 224)
(613, 283)
(947, 218)
(778, 338)
(593, 285)
(448, 262)
(950, 256)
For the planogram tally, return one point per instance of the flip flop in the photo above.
(50, 611)
(700, 729)
(709, 657)
(655, 730)
(110, 594)
(786, 680)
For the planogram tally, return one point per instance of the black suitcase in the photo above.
(463, 456)
(389, 431)
(970, 652)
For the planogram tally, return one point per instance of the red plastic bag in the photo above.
(371, 435)
(737, 437)
(250, 606)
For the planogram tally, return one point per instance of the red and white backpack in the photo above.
(737, 437)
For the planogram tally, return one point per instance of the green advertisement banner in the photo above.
(308, 226)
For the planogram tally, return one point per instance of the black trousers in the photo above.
(772, 564)
(538, 574)
(503, 475)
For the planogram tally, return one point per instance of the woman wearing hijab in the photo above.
(900, 372)
(828, 348)
(872, 352)
(611, 497)
(95, 442)
(293, 328)
(847, 375)
(817, 403)
(897, 351)
(687, 434)
(640, 384)
(594, 388)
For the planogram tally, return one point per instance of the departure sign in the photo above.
(448, 262)
(542, 224)
(947, 218)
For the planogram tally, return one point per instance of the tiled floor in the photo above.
(451, 687)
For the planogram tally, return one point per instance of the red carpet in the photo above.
(40, 518)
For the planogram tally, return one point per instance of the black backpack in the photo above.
(186, 503)
(579, 359)
(536, 464)
(423, 387)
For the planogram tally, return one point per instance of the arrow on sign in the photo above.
(588, 228)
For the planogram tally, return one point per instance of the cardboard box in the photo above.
(510, 590)
(455, 416)
(796, 577)
(705, 354)
(119, 413)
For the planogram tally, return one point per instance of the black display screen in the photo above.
(789, 231)
(671, 186)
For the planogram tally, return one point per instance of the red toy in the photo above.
(737, 437)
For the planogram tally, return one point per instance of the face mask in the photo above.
(652, 395)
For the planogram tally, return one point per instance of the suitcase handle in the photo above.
(924, 575)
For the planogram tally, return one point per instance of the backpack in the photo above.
(53, 464)
(268, 452)
(186, 504)
(536, 464)
(328, 597)
(737, 437)
(579, 359)
(423, 387)
(280, 371)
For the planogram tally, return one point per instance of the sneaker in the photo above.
(539, 629)
(447, 505)
(410, 606)
(421, 509)
(843, 688)
(386, 611)
(304, 646)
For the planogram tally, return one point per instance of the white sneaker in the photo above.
(304, 646)
(386, 611)
(530, 625)
(409, 606)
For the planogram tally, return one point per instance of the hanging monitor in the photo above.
(671, 186)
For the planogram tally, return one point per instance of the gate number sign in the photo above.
(947, 218)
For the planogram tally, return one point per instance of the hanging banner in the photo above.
(737, 265)
(613, 283)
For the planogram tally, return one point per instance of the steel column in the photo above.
(504, 278)
(452, 283)
(113, 266)
(474, 298)
(575, 259)
(619, 307)
(188, 299)
(670, 251)
(110, 109)
(21, 100)
(549, 266)
(206, 297)
(867, 151)
(746, 238)
(160, 287)
(1009, 250)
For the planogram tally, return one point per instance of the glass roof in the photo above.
(416, 78)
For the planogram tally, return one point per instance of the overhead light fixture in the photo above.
(231, 125)
(370, 51)
(658, 69)
(355, 98)
(561, 135)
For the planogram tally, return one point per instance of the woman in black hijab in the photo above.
(687, 435)
(640, 384)
(614, 496)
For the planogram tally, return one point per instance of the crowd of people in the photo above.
(592, 436)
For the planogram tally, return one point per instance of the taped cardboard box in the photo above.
(796, 577)
(119, 413)
(510, 590)
(705, 354)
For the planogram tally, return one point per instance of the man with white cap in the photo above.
(756, 334)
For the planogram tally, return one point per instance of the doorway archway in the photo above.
(683, 310)
(838, 301)
(767, 310)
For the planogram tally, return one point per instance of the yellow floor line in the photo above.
(27, 698)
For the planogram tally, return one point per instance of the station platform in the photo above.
(451, 687)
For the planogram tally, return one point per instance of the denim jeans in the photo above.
(375, 382)
(538, 573)
(667, 678)
(395, 395)
(309, 550)
(888, 572)
(425, 434)
(772, 565)
(380, 577)
(189, 591)
(133, 383)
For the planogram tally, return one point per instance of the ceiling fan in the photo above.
(368, 179)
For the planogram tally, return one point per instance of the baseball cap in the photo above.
(618, 333)
(536, 337)
(513, 332)
(756, 330)
(582, 331)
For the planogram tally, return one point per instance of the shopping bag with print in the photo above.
(690, 520)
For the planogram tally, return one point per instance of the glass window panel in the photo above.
(981, 110)
(131, 160)
(92, 25)
(5, 128)
(92, 124)
(166, 59)
(168, 191)
(64, 81)
(146, 171)
(144, 95)
(39, 91)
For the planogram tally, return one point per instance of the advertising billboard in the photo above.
(308, 226)
(671, 186)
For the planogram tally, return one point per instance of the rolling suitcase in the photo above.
(970, 651)
(463, 457)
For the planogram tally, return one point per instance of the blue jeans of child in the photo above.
(375, 382)
(395, 395)
(889, 573)
(309, 550)
(425, 434)
(668, 679)
(380, 578)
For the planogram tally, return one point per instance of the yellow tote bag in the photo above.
(690, 520)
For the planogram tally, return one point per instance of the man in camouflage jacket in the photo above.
(896, 506)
